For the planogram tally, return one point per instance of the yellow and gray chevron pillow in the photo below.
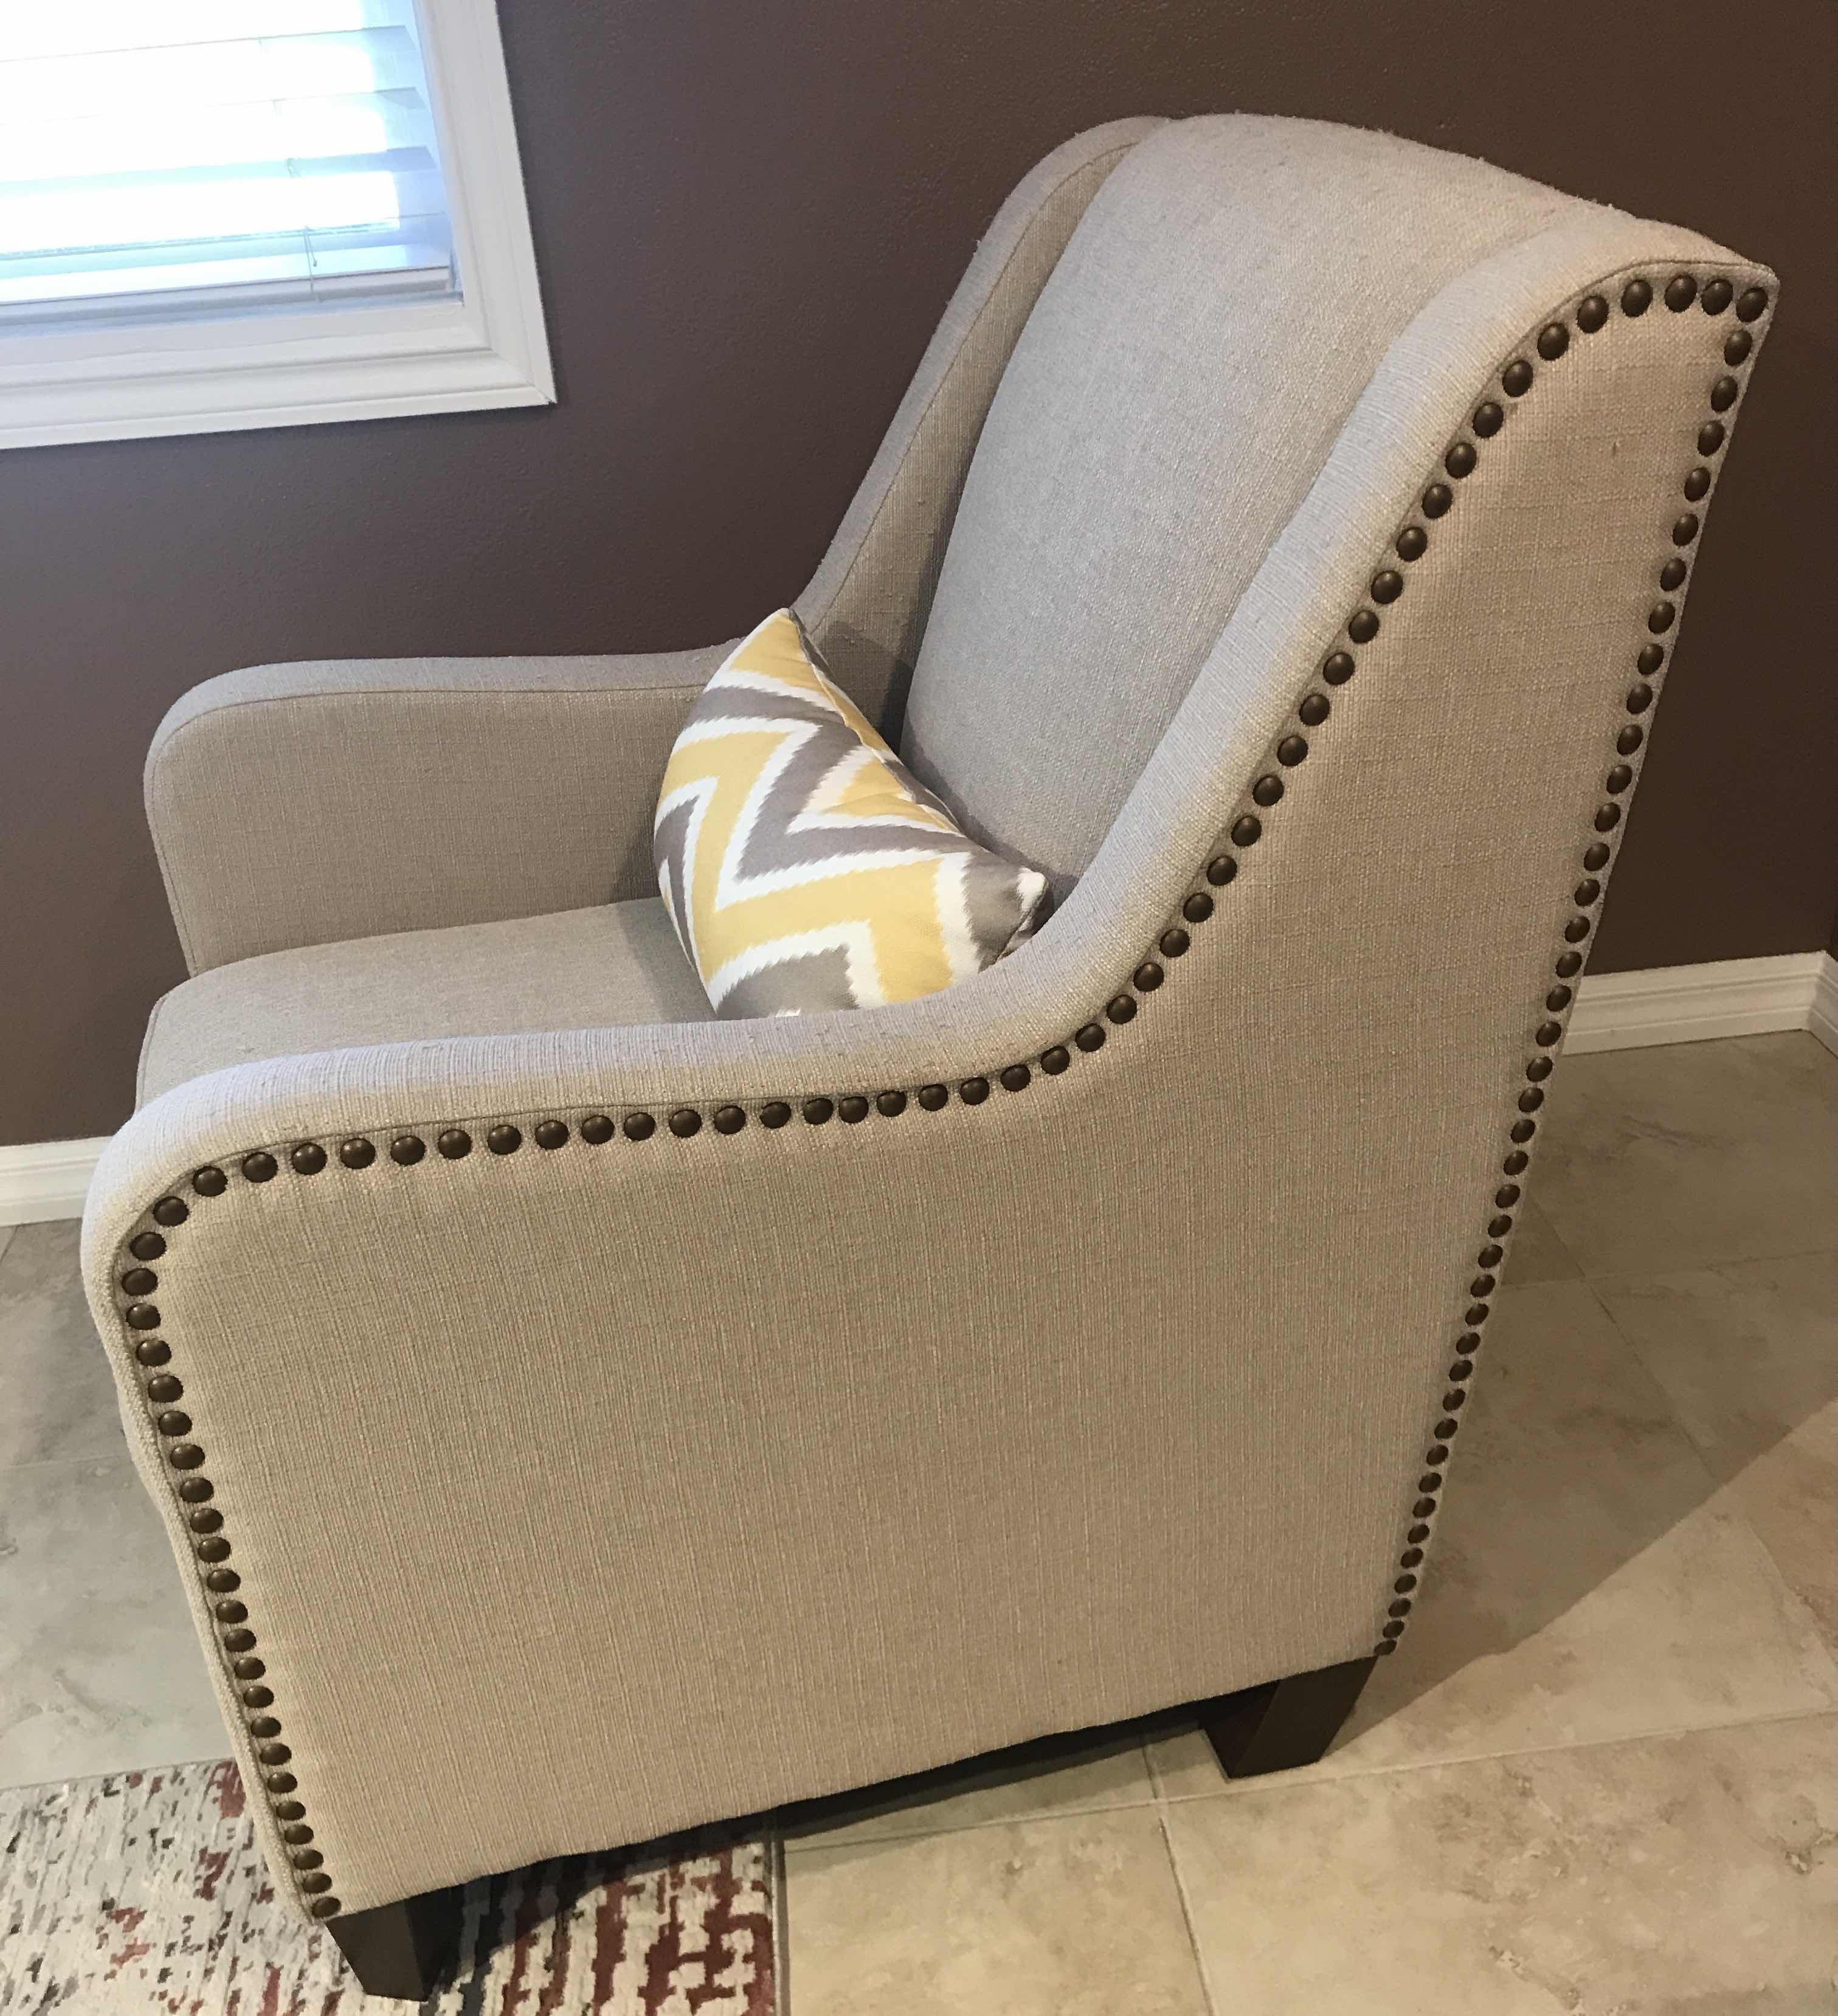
(803, 865)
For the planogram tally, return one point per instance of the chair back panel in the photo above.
(1220, 307)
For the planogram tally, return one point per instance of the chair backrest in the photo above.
(1175, 392)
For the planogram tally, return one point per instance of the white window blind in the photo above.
(170, 158)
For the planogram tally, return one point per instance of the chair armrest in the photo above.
(297, 805)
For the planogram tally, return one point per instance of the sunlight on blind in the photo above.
(163, 157)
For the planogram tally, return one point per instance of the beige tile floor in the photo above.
(1598, 1780)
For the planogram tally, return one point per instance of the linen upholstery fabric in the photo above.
(613, 963)
(1145, 1422)
(1108, 524)
(866, 606)
(802, 867)
(298, 805)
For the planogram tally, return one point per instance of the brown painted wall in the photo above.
(748, 219)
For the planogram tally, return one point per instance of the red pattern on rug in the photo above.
(145, 1894)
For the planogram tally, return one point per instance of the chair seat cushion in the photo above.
(806, 868)
(617, 962)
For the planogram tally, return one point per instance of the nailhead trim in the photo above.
(1592, 314)
(504, 1138)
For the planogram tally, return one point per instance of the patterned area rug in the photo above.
(145, 1895)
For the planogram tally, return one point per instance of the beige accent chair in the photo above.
(579, 1418)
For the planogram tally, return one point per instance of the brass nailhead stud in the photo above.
(454, 1143)
(1267, 789)
(195, 1490)
(1681, 290)
(1548, 1033)
(357, 1153)
(209, 1181)
(1401, 1607)
(290, 1810)
(305, 1858)
(685, 1121)
(163, 1387)
(1750, 304)
(230, 1613)
(223, 1581)
(1569, 964)
(816, 1111)
(170, 1211)
(258, 1697)
(934, 1098)
(264, 1726)
(1016, 1078)
(324, 1907)
(1592, 312)
(1173, 942)
(212, 1547)
(1619, 778)
(973, 1091)
(1723, 395)
(1393, 1631)
(1517, 378)
(1530, 1101)
(317, 1881)
(852, 1107)
(1091, 1037)
(1314, 710)
(1711, 436)
(1737, 346)
(250, 1668)
(552, 1134)
(1146, 977)
(1576, 929)
(1386, 585)
(1362, 626)
(1717, 295)
(296, 1836)
(1652, 657)
(260, 1168)
(1672, 574)
(1247, 831)
(1558, 999)
(307, 1158)
(775, 1113)
(1220, 870)
(152, 1351)
(1121, 1008)
(1596, 854)
(1488, 419)
(1684, 529)
(185, 1456)
(1607, 818)
(1423, 1508)
(281, 1781)
(1639, 698)
(139, 1281)
(142, 1315)
(1660, 616)
(890, 1105)
(173, 1422)
(1337, 667)
(1436, 499)
(1538, 1069)
(407, 1149)
(1460, 460)
(274, 1753)
(1291, 751)
(1697, 485)
(1586, 891)
(729, 1119)
(1636, 298)
(1197, 907)
(597, 1129)
(1554, 339)
(504, 1139)
(642, 1126)
(146, 1246)
(1054, 1060)
(1412, 543)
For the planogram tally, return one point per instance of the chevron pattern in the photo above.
(803, 865)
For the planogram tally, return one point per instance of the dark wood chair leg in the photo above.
(1284, 1722)
(401, 1950)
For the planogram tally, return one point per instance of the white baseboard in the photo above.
(1685, 1004)
(45, 1179)
(1614, 1011)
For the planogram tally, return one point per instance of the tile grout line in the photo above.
(1186, 1915)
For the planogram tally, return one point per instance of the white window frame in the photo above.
(283, 368)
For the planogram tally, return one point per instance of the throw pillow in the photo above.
(803, 865)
